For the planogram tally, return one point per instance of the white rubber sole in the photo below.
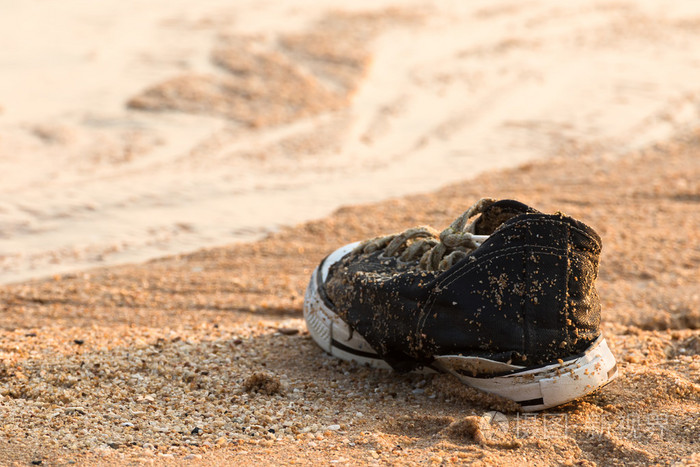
(532, 388)
(330, 332)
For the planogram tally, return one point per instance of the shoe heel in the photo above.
(543, 387)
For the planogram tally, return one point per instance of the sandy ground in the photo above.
(148, 133)
(203, 358)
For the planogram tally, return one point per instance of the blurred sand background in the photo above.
(134, 131)
(129, 130)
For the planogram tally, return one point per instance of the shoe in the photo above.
(504, 299)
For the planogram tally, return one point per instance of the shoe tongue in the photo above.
(497, 213)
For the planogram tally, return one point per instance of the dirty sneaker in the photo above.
(504, 299)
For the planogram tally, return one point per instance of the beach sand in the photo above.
(130, 131)
(204, 358)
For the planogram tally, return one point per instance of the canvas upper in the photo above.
(525, 296)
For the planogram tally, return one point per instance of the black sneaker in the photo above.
(506, 303)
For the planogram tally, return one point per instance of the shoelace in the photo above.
(437, 251)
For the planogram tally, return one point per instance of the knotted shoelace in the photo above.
(437, 251)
